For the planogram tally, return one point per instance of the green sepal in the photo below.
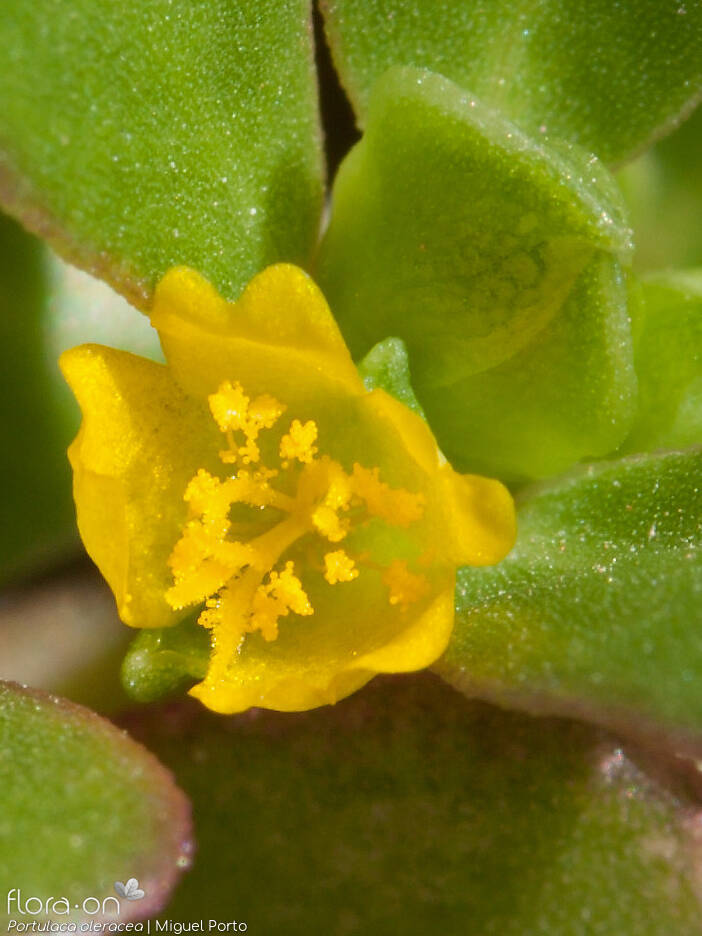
(386, 366)
(164, 660)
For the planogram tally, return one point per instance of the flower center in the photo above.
(246, 584)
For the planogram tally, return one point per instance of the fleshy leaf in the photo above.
(663, 191)
(446, 214)
(83, 806)
(409, 809)
(608, 76)
(139, 136)
(597, 610)
(668, 360)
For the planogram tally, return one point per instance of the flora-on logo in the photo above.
(58, 906)
(130, 890)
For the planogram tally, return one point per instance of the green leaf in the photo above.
(663, 191)
(668, 361)
(137, 136)
(83, 806)
(609, 76)
(409, 809)
(495, 259)
(597, 610)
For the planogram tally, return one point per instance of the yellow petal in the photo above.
(470, 519)
(353, 634)
(294, 688)
(421, 643)
(479, 522)
(279, 338)
(413, 437)
(287, 693)
(140, 442)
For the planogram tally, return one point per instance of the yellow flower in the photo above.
(314, 525)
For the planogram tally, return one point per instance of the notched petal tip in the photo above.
(184, 293)
(80, 366)
(286, 305)
(281, 318)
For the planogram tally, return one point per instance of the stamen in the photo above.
(339, 567)
(394, 505)
(299, 441)
(230, 407)
(405, 587)
(276, 598)
(234, 411)
(330, 475)
(328, 523)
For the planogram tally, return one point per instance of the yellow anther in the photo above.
(202, 561)
(234, 411)
(265, 411)
(339, 567)
(211, 617)
(405, 588)
(340, 490)
(281, 594)
(207, 497)
(328, 523)
(299, 441)
(394, 505)
(249, 452)
(230, 407)
(328, 477)
(190, 589)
